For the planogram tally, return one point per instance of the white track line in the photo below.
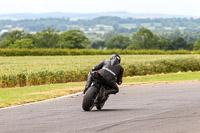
(42, 101)
(48, 100)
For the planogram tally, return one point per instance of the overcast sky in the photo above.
(177, 7)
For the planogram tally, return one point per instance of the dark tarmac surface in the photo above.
(148, 108)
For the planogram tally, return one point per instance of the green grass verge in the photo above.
(16, 96)
(172, 77)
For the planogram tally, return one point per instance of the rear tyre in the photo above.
(88, 100)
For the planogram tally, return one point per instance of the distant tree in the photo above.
(160, 24)
(176, 33)
(197, 45)
(189, 46)
(122, 30)
(188, 36)
(23, 43)
(178, 43)
(11, 37)
(73, 39)
(144, 39)
(98, 45)
(115, 26)
(118, 42)
(133, 30)
(1, 38)
(109, 35)
(163, 43)
(47, 38)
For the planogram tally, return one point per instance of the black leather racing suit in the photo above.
(112, 72)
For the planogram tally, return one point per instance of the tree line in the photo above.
(76, 39)
(145, 39)
(47, 38)
(64, 24)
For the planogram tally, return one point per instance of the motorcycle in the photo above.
(95, 95)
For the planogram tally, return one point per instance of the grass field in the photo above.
(16, 96)
(159, 78)
(36, 70)
(33, 64)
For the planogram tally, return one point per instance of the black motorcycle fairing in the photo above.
(96, 77)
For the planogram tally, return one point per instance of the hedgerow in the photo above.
(132, 68)
(55, 52)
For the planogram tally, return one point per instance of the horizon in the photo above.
(94, 13)
(169, 7)
(74, 16)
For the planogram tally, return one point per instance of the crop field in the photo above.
(18, 71)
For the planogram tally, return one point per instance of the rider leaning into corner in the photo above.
(111, 71)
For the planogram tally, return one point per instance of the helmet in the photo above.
(116, 56)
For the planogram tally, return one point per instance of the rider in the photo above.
(111, 71)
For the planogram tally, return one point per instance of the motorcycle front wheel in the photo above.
(89, 98)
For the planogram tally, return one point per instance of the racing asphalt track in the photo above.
(147, 108)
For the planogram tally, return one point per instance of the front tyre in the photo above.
(88, 100)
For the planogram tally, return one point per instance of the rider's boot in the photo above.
(110, 91)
